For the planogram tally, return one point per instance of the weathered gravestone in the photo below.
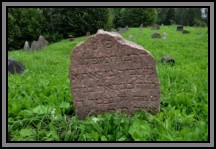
(34, 45)
(42, 42)
(156, 35)
(155, 27)
(26, 46)
(108, 74)
(141, 25)
(88, 34)
(37, 45)
(167, 59)
(180, 28)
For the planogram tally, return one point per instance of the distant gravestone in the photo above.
(88, 34)
(37, 45)
(155, 27)
(156, 35)
(42, 42)
(185, 32)
(34, 45)
(108, 73)
(26, 46)
(167, 59)
(180, 28)
(71, 37)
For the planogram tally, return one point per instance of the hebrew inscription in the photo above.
(108, 73)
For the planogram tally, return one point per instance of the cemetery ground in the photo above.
(40, 106)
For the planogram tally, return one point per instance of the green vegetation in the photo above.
(40, 106)
(56, 24)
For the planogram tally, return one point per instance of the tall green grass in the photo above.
(40, 106)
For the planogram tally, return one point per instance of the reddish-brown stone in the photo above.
(108, 73)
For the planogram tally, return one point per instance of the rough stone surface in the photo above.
(39, 44)
(108, 74)
(42, 42)
(35, 45)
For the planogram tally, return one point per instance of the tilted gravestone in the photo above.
(108, 74)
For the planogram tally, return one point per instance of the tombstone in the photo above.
(141, 27)
(155, 27)
(42, 42)
(26, 46)
(15, 67)
(88, 34)
(185, 32)
(180, 28)
(164, 35)
(35, 45)
(126, 28)
(156, 35)
(71, 37)
(167, 59)
(109, 74)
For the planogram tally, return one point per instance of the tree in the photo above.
(188, 16)
(23, 24)
(117, 22)
(170, 16)
(133, 17)
(166, 16)
(77, 21)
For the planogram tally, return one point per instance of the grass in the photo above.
(40, 106)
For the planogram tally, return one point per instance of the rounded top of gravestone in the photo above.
(119, 38)
(41, 37)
